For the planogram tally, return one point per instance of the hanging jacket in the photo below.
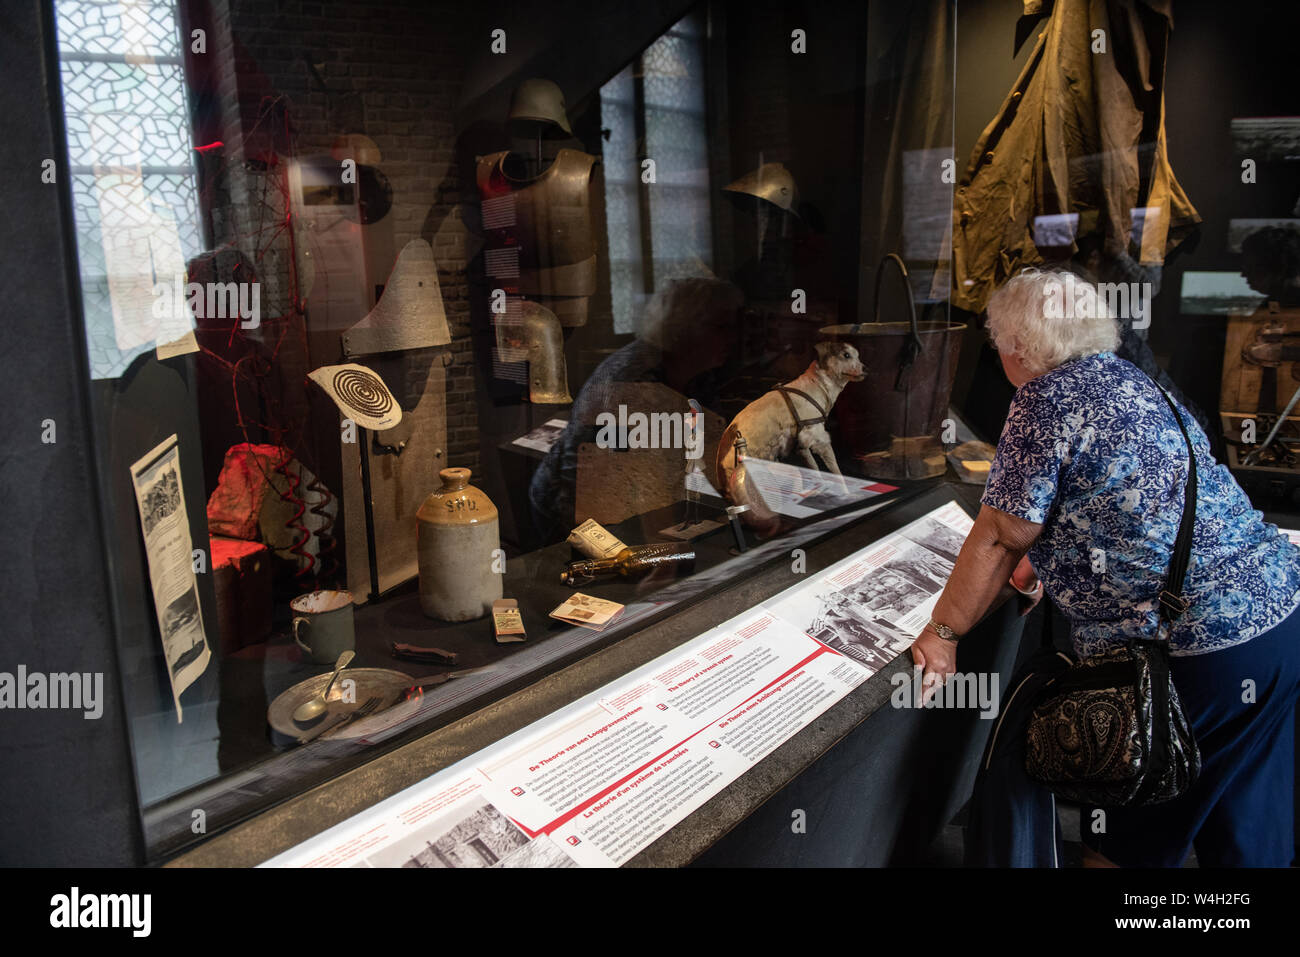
(1077, 152)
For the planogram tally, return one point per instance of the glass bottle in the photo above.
(631, 561)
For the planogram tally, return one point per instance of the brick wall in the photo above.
(394, 75)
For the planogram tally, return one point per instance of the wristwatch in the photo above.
(944, 632)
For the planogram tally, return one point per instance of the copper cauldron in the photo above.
(891, 421)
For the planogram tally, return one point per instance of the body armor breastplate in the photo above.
(537, 232)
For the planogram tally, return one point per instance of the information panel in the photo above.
(601, 779)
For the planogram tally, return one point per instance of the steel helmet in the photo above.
(771, 182)
(539, 101)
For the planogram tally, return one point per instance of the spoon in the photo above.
(314, 707)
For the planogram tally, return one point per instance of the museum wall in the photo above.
(1220, 67)
(325, 69)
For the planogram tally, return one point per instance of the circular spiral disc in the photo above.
(364, 391)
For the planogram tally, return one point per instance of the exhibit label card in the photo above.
(167, 543)
(587, 611)
(543, 437)
(803, 493)
(598, 781)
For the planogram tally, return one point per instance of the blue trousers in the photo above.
(1240, 812)
(1012, 819)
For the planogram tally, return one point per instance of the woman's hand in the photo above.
(1025, 580)
(992, 550)
(937, 659)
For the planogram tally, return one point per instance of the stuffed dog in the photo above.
(792, 417)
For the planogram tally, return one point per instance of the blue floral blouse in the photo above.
(1092, 452)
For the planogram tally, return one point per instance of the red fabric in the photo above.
(233, 551)
(242, 488)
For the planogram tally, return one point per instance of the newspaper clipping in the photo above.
(157, 481)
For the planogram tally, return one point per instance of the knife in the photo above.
(439, 656)
(328, 724)
(435, 680)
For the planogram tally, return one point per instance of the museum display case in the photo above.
(433, 348)
(446, 364)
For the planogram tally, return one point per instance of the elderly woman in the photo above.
(1088, 481)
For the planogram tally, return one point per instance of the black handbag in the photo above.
(1110, 729)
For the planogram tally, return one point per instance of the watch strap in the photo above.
(944, 632)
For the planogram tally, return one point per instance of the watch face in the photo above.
(943, 631)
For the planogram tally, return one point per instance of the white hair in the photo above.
(1048, 317)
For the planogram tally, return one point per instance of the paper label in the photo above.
(507, 621)
(603, 778)
(589, 612)
(594, 540)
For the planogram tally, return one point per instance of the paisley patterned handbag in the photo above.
(1110, 730)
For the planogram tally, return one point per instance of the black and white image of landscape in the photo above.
(1267, 139)
(182, 630)
(1217, 294)
(161, 500)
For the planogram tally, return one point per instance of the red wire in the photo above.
(253, 368)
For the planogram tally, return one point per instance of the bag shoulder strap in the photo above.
(1172, 602)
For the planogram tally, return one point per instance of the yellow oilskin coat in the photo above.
(1080, 132)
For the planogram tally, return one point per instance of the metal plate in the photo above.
(409, 313)
(384, 683)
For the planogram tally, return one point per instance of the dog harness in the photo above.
(799, 423)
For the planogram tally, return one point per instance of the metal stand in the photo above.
(371, 554)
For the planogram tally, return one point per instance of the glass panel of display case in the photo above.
(429, 361)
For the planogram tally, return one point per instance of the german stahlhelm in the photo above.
(771, 182)
(539, 101)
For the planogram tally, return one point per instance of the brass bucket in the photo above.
(890, 422)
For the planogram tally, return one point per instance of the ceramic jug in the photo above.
(459, 534)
